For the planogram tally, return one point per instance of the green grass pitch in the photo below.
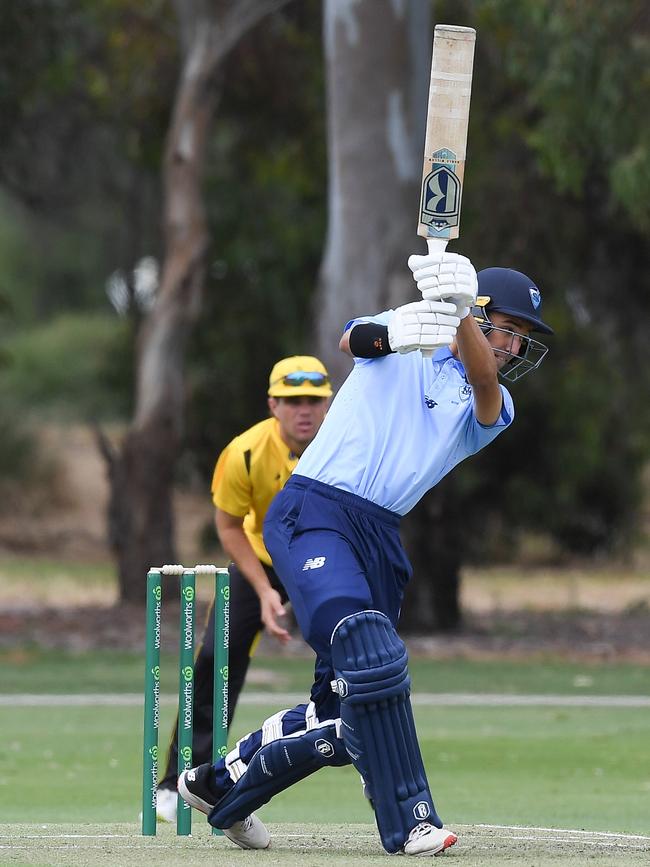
(70, 775)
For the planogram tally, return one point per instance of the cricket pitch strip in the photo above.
(120, 845)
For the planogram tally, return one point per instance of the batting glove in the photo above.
(425, 325)
(446, 277)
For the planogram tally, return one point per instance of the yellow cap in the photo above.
(315, 382)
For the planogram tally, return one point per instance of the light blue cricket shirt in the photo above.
(398, 425)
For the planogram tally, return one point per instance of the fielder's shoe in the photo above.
(166, 801)
(426, 839)
(193, 785)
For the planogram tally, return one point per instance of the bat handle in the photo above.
(435, 245)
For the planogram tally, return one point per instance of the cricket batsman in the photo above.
(402, 420)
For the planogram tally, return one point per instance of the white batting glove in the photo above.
(447, 277)
(425, 325)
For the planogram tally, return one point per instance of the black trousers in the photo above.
(245, 624)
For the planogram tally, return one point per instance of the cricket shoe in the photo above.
(194, 788)
(250, 833)
(166, 801)
(426, 839)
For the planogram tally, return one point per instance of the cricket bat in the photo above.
(446, 137)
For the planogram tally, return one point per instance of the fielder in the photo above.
(249, 473)
(401, 421)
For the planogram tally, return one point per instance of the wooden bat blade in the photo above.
(446, 137)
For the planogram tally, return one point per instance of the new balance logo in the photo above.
(313, 563)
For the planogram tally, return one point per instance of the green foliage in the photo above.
(266, 206)
(91, 79)
(20, 461)
(586, 73)
(76, 366)
(46, 268)
(570, 466)
(557, 185)
(550, 191)
(17, 446)
(85, 98)
(26, 469)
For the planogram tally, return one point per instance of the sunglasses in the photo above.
(300, 377)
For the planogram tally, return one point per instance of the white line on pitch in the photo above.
(20, 836)
(562, 831)
(578, 833)
(611, 844)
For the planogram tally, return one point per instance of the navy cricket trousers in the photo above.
(336, 554)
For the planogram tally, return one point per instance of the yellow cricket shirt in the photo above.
(249, 473)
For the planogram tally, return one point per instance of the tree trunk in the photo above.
(378, 56)
(141, 473)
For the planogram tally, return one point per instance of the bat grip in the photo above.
(435, 245)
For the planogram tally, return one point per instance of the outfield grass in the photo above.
(30, 669)
(565, 767)
(76, 770)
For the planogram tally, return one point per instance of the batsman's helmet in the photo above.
(503, 290)
(508, 291)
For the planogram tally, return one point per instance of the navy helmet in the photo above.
(507, 291)
(502, 290)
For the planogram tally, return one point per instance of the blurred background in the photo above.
(191, 190)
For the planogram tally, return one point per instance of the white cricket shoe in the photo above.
(426, 839)
(250, 833)
(166, 801)
(193, 784)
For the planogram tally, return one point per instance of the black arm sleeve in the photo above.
(369, 340)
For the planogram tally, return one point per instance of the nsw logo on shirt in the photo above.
(313, 563)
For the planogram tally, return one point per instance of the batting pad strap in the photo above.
(271, 730)
(311, 717)
(275, 767)
(235, 767)
(370, 663)
(272, 727)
